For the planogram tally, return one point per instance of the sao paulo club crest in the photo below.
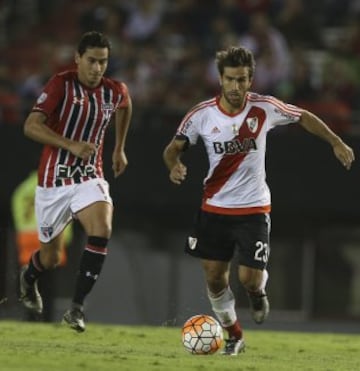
(107, 109)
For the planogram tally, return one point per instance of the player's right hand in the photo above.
(178, 173)
(345, 154)
(84, 150)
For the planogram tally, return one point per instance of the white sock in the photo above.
(223, 306)
(265, 277)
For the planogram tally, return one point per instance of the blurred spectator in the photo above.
(165, 48)
(335, 12)
(332, 109)
(295, 24)
(108, 17)
(53, 57)
(191, 17)
(9, 100)
(237, 13)
(271, 53)
(343, 62)
(352, 30)
(323, 97)
(255, 6)
(9, 107)
(4, 26)
(222, 35)
(299, 87)
(144, 19)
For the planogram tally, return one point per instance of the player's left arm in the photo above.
(122, 123)
(316, 126)
(172, 158)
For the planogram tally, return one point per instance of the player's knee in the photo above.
(216, 283)
(107, 231)
(251, 285)
(103, 231)
(51, 260)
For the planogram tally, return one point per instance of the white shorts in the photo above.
(55, 207)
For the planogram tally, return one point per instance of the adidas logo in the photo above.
(215, 130)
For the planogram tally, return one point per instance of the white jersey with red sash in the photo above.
(236, 146)
(81, 114)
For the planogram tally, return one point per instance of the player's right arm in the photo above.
(36, 129)
(172, 155)
(314, 125)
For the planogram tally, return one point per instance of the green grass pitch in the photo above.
(26, 346)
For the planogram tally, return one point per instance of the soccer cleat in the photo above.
(74, 318)
(29, 294)
(233, 347)
(259, 306)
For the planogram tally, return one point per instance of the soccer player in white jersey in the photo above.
(236, 200)
(70, 118)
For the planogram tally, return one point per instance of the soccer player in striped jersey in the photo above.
(236, 199)
(70, 118)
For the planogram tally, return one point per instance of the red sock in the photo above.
(234, 331)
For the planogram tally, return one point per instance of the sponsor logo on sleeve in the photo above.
(42, 98)
(285, 114)
(185, 127)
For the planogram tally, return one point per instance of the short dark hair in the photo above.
(235, 57)
(93, 39)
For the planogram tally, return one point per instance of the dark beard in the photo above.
(236, 106)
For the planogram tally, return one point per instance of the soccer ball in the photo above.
(202, 334)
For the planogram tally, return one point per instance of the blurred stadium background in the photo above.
(308, 53)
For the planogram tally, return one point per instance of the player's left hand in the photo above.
(120, 162)
(344, 154)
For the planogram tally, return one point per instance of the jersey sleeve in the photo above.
(281, 113)
(124, 92)
(189, 128)
(50, 97)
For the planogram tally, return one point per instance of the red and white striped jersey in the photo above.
(81, 114)
(236, 144)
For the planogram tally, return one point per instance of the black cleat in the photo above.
(259, 306)
(75, 319)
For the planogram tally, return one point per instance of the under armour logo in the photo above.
(78, 100)
(93, 276)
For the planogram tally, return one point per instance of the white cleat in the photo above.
(233, 347)
(29, 294)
